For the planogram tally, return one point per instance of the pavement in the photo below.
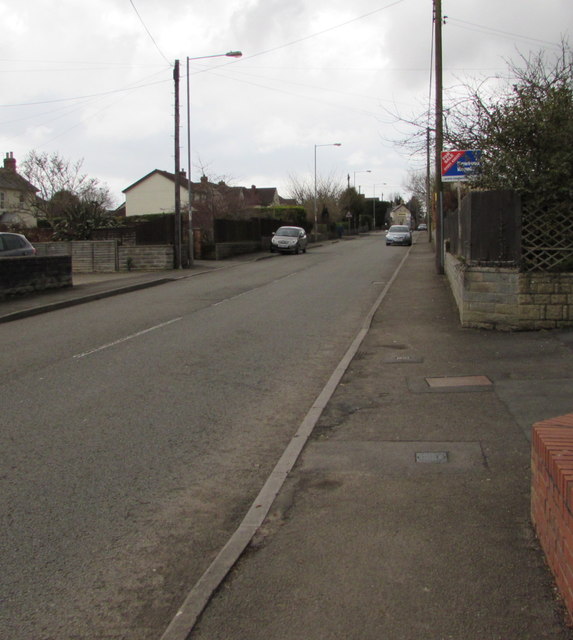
(94, 286)
(406, 514)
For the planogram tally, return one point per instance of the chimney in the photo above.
(10, 162)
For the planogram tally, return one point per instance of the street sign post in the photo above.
(458, 166)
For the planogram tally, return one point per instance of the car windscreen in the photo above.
(399, 229)
(293, 233)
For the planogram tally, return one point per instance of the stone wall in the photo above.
(504, 298)
(26, 275)
(107, 256)
(145, 258)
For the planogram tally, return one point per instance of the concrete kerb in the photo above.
(62, 304)
(200, 595)
(73, 297)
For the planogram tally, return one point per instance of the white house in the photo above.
(400, 214)
(155, 193)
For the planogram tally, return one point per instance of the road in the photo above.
(137, 430)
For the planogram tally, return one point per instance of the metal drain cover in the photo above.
(408, 359)
(432, 457)
(459, 381)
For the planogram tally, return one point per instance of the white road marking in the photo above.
(126, 338)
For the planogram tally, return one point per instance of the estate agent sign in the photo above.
(457, 166)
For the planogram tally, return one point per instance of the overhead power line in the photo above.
(319, 33)
(464, 24)
(84, 97)
(148, 32)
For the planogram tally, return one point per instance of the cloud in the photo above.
(312, 73)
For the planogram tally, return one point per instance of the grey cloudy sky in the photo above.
(94, 81)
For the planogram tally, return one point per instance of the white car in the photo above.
(289, 240)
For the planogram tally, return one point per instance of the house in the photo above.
(155, 193)
(255, 198)
(17, 196)
(400, 214)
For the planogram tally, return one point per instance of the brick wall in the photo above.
(21, 276)
(552, 498)
(504, 298)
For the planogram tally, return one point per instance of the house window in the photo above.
(2, 199)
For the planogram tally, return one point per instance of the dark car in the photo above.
(15, 244)
(399, 234)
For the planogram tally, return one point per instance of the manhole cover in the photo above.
(410, 359)
(459, 381)
(432, 457)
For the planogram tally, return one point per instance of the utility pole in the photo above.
(177, 224)
(439, 138)
(428, 188)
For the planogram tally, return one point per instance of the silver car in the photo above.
(289, 240)
(399, 234)
(15, 244)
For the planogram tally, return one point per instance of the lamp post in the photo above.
(230, 54)
(331, 144)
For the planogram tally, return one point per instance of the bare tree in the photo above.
(329, 192)
(523, 125)
(53, 175)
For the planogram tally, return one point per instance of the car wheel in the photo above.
(304, 250)
(297, 249)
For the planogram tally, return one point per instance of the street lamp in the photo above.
(230, 54)
(331, 144)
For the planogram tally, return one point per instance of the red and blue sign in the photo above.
(458, 166)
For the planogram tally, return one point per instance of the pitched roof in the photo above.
(165, 174)
(171, 176)
(9, 179)
(259, 197)
(253, 197)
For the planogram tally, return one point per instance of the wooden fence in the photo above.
(492, 228)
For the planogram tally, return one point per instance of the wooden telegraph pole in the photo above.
(177, 222)
(439, 232)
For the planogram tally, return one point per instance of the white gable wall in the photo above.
(155, 194)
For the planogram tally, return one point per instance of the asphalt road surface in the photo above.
(137, 430)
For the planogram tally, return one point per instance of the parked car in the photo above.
(399, 234)
(15, 244)
(422, 227)
(289, 240)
